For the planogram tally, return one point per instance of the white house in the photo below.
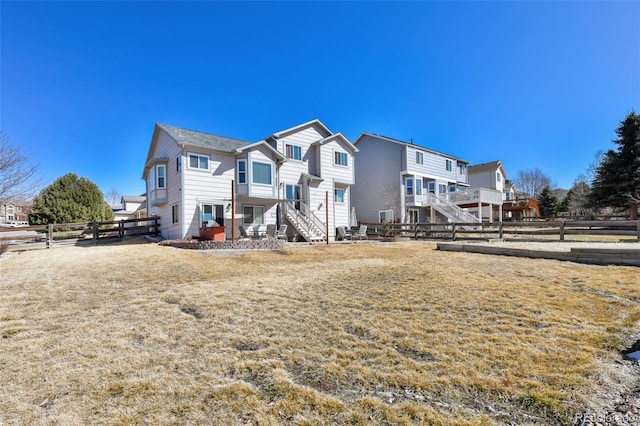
(492, 176)
(402, 182)
(194, 177)
(131, 207)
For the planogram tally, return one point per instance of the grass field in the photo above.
(394, 333)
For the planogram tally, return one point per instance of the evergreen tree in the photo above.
(563, 206)
(70, 199)
(547, 203)
(617, 179)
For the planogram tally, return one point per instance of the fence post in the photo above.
(638, 226)
(50, 235)
(562, 231)
(453, 231)
(121, 230)
(155, 226)
(501, 229)
(94, 226)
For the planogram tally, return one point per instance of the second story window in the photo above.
(449, 165)
(199, 161)
(409, 184)
(160, 177)
(418, 186)
(462, 169)
(338, 195)
(419, 157)
(261, 173)
(242, 171)
(293, 152)
(498, 176)
(340, 159)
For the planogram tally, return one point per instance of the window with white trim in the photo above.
(418, 186)
(161, 181)
(198, 161)
(385, 215)
(442, 189)
(340, 159)
(449, 165)
(261, 173)
(412, 216)
(242, 171)
(462, 168)
(293, 152)
(498, 176)
(338, 195)
(432, 187)
(419, 157)
(253, 215)
(409, 185)
(174, 214)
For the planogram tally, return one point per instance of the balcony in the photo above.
(475, 196)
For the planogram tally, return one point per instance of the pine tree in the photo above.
(547, 203)
(70, 199)
(617, 179)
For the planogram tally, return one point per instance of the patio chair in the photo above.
(343, 234)
(271, 233)
(360, 233)
(282, 232)
(243, 233)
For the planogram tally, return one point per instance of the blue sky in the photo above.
(534, 84)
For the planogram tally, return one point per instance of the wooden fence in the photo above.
(533, 231)
(74, 234)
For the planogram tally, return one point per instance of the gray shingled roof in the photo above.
(484, 167)
(203, 140)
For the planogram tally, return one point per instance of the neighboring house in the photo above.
(131, 207)
(15, 211)
(491, 179)
(193, 178)
(398, 181)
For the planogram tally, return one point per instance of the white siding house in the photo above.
(492, 176)
(283, 179)
(402, 182)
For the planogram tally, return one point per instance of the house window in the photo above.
(442, 189)
(174, 214)
(242, 171)
(253, 215)
(452, 188)
(199, 161)
(462, 168)
(340, 158)
(498, 176)
(419, 157)
(432, 187)
(293, 152)
(160, 177)
(178, 163)
(449, 165)
(338, 195)
(385, 215)
(409, 185)
(418, 186)
(212, 212)
(261, 173)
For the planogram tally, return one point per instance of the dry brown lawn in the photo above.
(371, 333)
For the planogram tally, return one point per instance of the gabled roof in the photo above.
(491, 166)
(337, 136)
(398, 141)
(301, 126)
(278, 154)
(202, 140)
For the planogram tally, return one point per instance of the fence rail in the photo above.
(539, 230)
(73, 234)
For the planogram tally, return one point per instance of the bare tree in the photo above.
(113, 197)
(390, 198)
(531, 182)
(18, 179)
(593, 166)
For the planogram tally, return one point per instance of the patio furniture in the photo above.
(360, 233)
(282, 232)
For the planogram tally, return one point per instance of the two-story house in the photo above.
(402, 182)
(300, 176)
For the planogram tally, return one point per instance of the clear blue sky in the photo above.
(534, 84)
